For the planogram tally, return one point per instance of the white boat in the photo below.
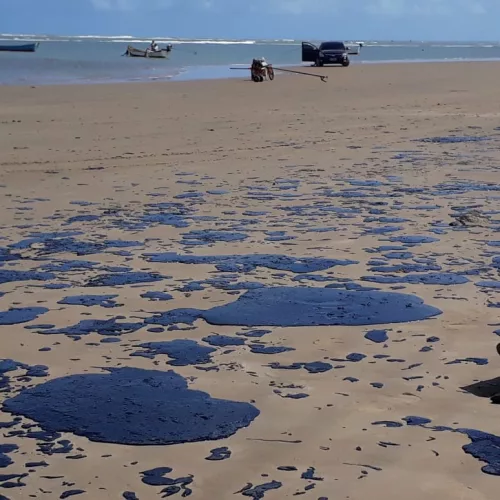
(157, 54)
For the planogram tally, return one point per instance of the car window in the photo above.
(332, 46)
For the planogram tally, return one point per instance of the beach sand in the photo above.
(293, 167)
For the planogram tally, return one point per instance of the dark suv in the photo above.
(327, 53)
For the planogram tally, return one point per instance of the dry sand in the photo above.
(295, 142)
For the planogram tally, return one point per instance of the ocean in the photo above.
(99, 59)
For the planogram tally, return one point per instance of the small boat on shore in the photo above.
(158, 54)
(25, 47)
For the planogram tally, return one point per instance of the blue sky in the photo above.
(317, 19)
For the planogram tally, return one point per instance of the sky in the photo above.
(252, 19)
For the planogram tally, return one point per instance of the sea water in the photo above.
(94, 59)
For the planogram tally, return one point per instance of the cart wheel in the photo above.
(261, 78)
(255, 77)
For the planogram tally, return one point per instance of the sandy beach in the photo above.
(283, 247)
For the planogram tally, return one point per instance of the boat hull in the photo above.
(133, 52)
(26, 47)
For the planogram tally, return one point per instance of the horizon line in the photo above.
(394, 40)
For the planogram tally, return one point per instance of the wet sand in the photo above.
(118, 191)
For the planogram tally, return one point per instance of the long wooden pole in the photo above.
(323, 78)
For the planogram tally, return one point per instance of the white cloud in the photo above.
(476, 8)
(398, 8)
(296, 7)
(131, 5)
(389, 8)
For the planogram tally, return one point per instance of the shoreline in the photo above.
(222, 72)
